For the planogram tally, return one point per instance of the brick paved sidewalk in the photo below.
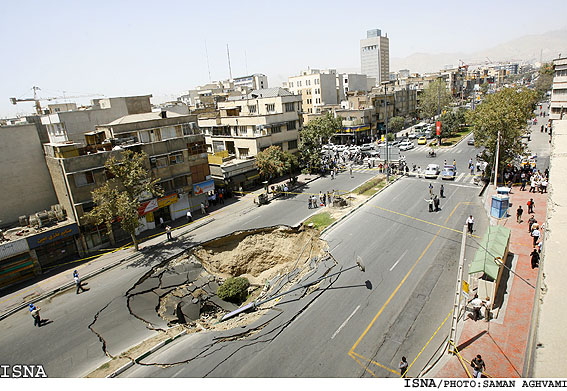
(502, 342)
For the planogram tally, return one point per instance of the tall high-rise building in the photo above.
(375, 56)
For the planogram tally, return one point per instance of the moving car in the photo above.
(422, 140)
(471, 141)
(432, 171)
(405, 145)
(366, 147)
(340, 148)
(448, 172)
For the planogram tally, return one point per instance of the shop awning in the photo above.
(492, 246)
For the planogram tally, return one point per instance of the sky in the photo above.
(121, 48)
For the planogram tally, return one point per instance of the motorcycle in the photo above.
(431, 154)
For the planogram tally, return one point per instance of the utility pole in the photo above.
(386, 126)
(229, 67)
(208, 66)
(459, 287)
(497, 158)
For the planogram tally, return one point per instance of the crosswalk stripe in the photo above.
(461, 175)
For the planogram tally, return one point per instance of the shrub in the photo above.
(234, 289)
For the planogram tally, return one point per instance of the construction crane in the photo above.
(37, 99)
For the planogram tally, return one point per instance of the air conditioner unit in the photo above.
(23, 220)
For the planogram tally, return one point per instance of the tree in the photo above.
(272, 162)
(312, 137)
(435, 96)
(119, 197)
(544, 80)
(396, 124)
(452, 122)
(506, 111)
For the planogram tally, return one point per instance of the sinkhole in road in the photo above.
(184, 290)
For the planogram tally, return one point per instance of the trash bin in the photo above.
(500, 205)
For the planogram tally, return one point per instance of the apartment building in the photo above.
(245, 126)
(63, 126)
(558, 105)
(375, 56)
(176, 154)
(317, 88)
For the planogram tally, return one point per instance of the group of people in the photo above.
(538, 181)
(433, 200)
(323, 199)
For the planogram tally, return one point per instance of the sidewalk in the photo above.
(503, 341)
(62, 280)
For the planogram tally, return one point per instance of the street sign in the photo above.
(438, 128)
(465, 287)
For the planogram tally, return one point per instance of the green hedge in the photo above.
(234, 289)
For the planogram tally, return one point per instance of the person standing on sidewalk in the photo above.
(476, 304)
(78, 282)
(478, 366)
(531, 222)
(34, 312)
(403, 367)
(531, 205)
(535, 235)
(535, 258)
(519, 213)
(189, 216)
(470, 224)
(168, 232)
(203, 211)
(161, 222)
(441, 192)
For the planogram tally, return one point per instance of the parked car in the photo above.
(394, 143)
(340, 148)
(422, 140)
(449, 172)
(432, 171)
(404, 146)
(367, 147)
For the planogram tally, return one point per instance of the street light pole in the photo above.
(387, 149)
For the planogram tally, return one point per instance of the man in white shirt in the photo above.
(476, 304)
(470, 223)
(535, 235)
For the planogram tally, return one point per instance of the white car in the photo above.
(354, 149)
(432, 171)
(366, 147)
(340, 148)
(406, 145)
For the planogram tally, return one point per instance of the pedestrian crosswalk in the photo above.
(463, 177)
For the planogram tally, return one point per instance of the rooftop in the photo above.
(263, 93)
(132, 118)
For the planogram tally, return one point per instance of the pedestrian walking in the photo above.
(403, 367)
(161, 222)
(430, 203)
(519, 213)
(543, 185)
(478, 366)
(524, 181)
(350, 169)
(470, 224)
(332, 174)
(531, 222)
(189, 216)
(442, 191)
(536, 234)
(221, 198)
(531, 205)
(436, 203)
(78, 283)
(168, 232)
(203, 211)
(455, 163)
(430, 189)
(34, 312)
(535, 258)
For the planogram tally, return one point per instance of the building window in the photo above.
(243, 152)
(176, 158)
(83, 178)
(289, 107)
(292, 144)
(180, 181)
(158, 162)
(317, 81)
(242, 130)
(271, 107)
(218, 146)
(299, 83)
(291, 125)
(307, 82)
(252, 109)
(291, 84)
(167, 186)
(188, 129)
(196, 148)
(276, 129)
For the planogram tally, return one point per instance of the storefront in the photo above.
(54, 246)
(16, 263)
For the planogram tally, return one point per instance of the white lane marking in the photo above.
(399, 259)
(345, 322)
(461, 175)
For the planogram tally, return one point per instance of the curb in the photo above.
(298, 186)
(90, 275)
(155, 348)
(362, 204)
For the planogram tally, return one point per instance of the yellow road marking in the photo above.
(376, 363)
(394, 292)
(363, 366)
